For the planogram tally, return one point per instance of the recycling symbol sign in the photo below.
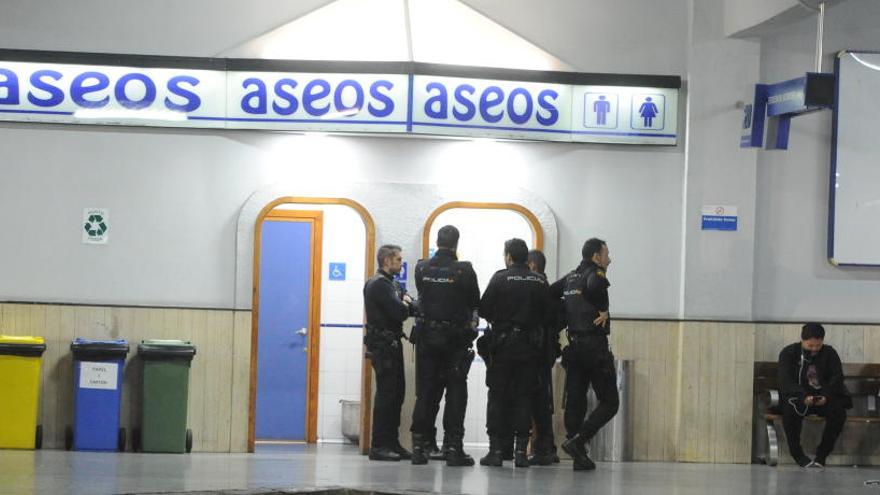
(96, 223)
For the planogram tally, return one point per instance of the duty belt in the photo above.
(504, 327)
(583, 334)
(385, 333)
(441, 323)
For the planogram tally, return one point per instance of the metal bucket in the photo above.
(351, 420)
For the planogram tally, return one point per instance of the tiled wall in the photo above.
(342, 310)
(483, 232)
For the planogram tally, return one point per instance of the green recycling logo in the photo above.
(96, 223)
(95, 226)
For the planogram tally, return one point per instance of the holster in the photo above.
(462, 365)
(379, 343)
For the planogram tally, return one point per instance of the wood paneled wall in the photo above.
(692, 394)
(218, 378)
(715, 420)
(654, 349)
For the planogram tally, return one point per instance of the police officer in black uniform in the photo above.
(449, 297)
(544, 445)
(588, 358)
(387, 306)
(515, 304)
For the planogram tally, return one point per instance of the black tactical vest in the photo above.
(579, 310)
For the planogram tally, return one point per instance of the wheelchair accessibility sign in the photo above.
(337, 271)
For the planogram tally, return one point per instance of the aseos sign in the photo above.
(356, 101)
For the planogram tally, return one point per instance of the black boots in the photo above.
(383, 454)
(507, 447)
(402, 452)
(576, 448)
(543, 458)
(419, 449)
(520, 458)
(455, 455)
(493, 458)
(543, 452)
(435, 453)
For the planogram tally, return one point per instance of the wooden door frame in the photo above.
(316, 219)
(366, 384)
(531, 218)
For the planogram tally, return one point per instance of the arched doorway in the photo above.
(483, 227)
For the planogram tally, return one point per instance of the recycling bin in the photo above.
(97, 395)
(20, 361)
(165, 393)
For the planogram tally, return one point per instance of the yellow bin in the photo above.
(20, 359)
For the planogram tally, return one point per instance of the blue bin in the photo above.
(97, 397)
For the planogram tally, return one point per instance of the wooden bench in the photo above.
(862, 380)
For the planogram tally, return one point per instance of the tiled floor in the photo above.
(59, 472)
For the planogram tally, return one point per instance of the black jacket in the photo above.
(448, 289)
(585, 293)
(516, 297)
(383, 302)
(794, 364)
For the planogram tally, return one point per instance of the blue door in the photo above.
(282, 347)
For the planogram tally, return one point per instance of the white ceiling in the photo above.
(432, 31)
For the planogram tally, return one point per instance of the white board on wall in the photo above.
(854, 209)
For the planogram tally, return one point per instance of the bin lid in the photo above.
(166, 349)
(18, 345)
(99, 348)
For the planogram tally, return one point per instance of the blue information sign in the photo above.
(719, 218)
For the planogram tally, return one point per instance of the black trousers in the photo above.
(589, 361)
(390, 389)
(542, 412)
(438, 371)
(434, 404)
(511, 388)
(835, 416)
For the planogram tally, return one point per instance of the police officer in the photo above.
(449, 296)
(387, 306)
(515, 304)
(544, 446)
(587, 358)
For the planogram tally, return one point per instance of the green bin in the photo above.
(165, 393)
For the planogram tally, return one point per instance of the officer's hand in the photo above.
(407, 299)
(820, 401)
(601, 319)
(809, 400)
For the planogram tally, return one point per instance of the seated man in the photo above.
(811, 382)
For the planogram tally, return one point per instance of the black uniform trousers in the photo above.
(511, 387)
(835, 416)
(390, 389)
(542, 411)
(438, 370)
(588, 361)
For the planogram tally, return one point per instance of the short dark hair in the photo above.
(385, 252)
(447, 237)
(812, 331)
(591, 247)
(517, 250)
(537, 258)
